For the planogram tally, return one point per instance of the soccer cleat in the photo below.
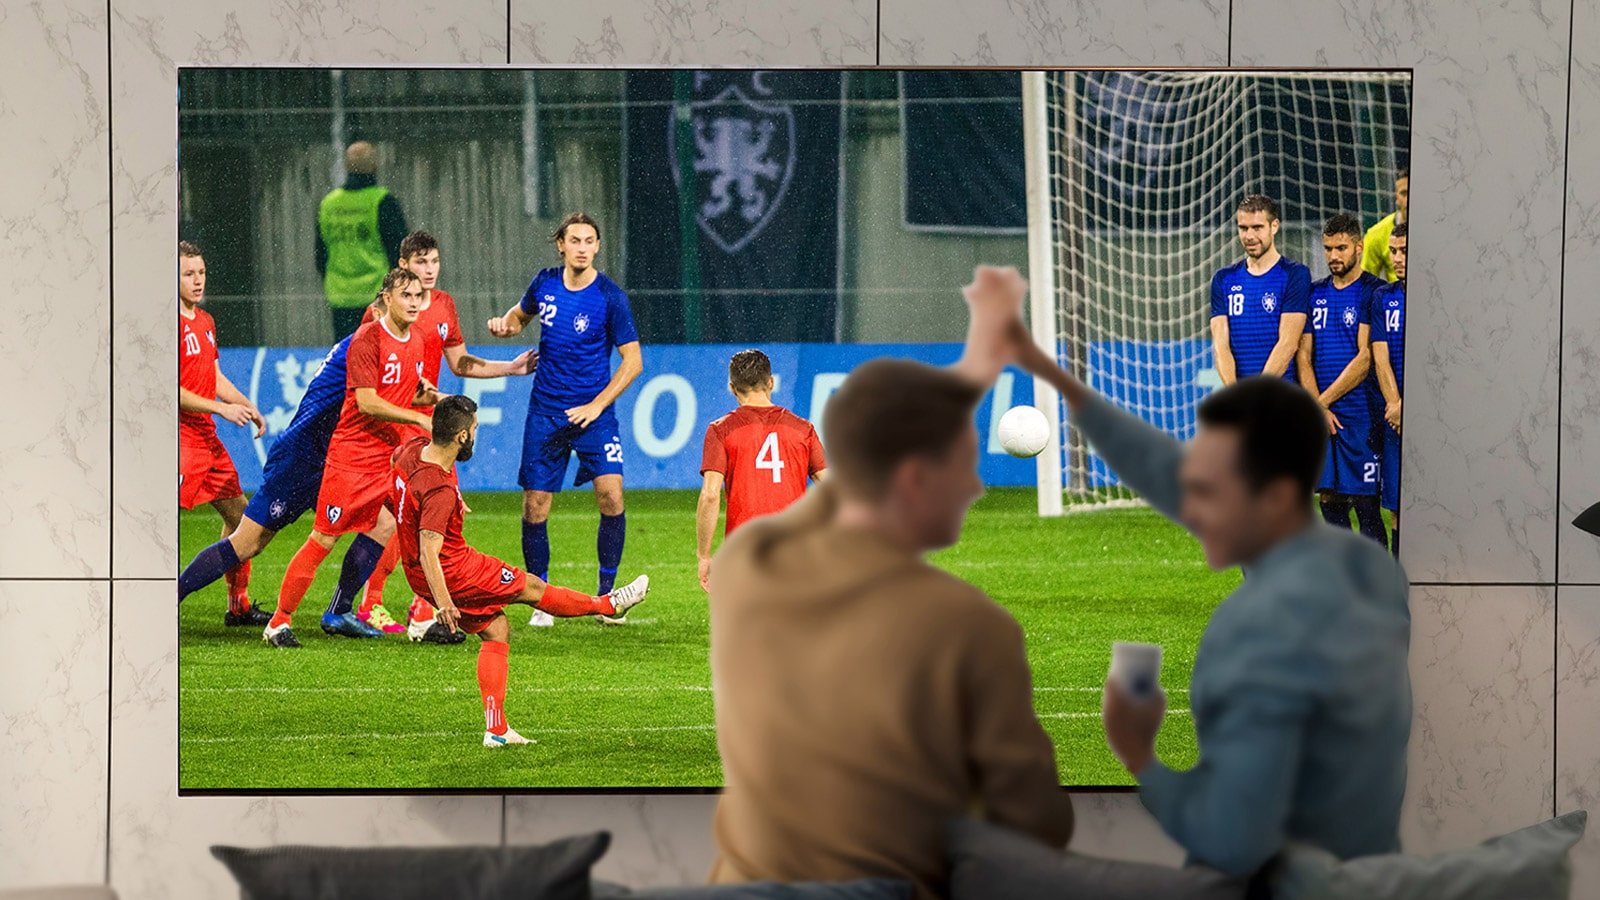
(625, 598)
(379, 618)
(348, 626)
(282, 636)
(252, 615)
(541, 619)
(490, 739)
(434, 632)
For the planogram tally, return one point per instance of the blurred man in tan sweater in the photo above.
(864, 697)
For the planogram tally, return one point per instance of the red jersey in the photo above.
(379, 360)
(197, 372)
(426, 497)
(766, 454)
(440, 328)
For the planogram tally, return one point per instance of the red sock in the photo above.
(386, 564)
(238, 579)
(421, 610)
(494, 663)
(297, 580)
(567, 603)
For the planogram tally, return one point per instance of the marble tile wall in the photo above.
(89, 187)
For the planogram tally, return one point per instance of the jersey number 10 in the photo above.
(768, 458)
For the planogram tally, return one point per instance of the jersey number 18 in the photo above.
(1235, 304)
(768, 458)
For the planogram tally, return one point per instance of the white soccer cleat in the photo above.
(541, 619)
(625, 598)
(490, 739)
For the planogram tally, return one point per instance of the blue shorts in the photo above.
(289, 484)
(548, 442)
(1352, 464)
(1390, 476)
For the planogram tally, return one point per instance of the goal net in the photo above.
(1133, 180)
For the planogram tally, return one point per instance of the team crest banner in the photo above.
(750, 161)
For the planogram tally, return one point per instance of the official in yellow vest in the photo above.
(1375, 245)
(359, 229)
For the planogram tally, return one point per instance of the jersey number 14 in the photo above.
(1391, 321)
(768, 458)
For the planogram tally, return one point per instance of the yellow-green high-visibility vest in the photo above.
(357, 261)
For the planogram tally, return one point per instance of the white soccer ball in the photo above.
(1024, 431)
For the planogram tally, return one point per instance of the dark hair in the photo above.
(397, 278)
(187, 249)
(1260, 203)
(572, 219)
(1405, 172)
(748, 370)
(1282, 431)
(891, 410)
(1399, 230)
(451, 415)
(417, 242)
(1342, 223)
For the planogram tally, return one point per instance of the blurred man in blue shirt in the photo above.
(1300, 695)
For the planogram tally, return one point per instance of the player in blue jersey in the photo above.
(583, 316)
(1388, 314)
(1259, 304)
(1335, 359)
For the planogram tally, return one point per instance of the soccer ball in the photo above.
(1024, 431)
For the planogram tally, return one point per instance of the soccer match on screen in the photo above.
(481, 371)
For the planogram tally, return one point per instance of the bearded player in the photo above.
(1389, 364)
(384, 374)
(762, 453)
(583, 316)
(440, 329)
(471, 589)
(205, 471)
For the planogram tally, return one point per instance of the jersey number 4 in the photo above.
(768, 458)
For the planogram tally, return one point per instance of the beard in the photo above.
(465, 453)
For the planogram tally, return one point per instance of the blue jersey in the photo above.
(1254, 304)
(1388, 314)
(577, 332)
(317, 415)
(1337, 315)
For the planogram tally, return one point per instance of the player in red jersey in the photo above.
(440, 328)
(755, 451)
(205, 472)
(383, 379)
(471, 589)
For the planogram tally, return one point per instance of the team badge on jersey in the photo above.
(580, 323)
(1269, 301)
(277, 509)
(506, 575)
(444, 331)
(743, 162)
(334, 512)
(1349, 317)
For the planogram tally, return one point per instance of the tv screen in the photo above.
(638, 229)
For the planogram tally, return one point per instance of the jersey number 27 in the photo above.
(768, 458)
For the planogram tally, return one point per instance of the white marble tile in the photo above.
(697, 32)
(1118, 827)
(1578, 725)
(1045, 33)
(656, 840)
(150, 38)
(54, 350)
(159, 841)
(54, 640)
(1489, 125)
(1580, 331)
(1482, 738)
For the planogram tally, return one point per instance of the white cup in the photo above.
(1136, 668)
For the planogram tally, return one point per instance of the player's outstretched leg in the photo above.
(296, 581)
(494, 665)
(241, 612)
(244, 543)
(565, 603)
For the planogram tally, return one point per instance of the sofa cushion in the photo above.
(995, 863)
(868, 889)
(1530, 864)
(554, 871)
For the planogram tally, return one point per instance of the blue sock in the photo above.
(207, 566)
(608, 545)
(1336, 513)
(359, 561)
(536, 549)
(1371, 520)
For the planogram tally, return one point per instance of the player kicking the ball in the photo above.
(757, 451)
(471, 589)
(205, 472)
(582, 316)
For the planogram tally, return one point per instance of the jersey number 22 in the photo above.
(768, 458)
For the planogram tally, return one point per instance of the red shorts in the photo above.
(349, 500)
(480, 586)
(205, 472)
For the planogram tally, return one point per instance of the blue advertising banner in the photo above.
(1159, 381)
(663, 416)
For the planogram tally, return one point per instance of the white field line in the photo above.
(452, 689)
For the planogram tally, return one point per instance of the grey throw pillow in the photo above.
(555, 871)
(988, 862)
(1530, 864)
(867, 889)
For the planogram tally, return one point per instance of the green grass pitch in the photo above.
(631, 706)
